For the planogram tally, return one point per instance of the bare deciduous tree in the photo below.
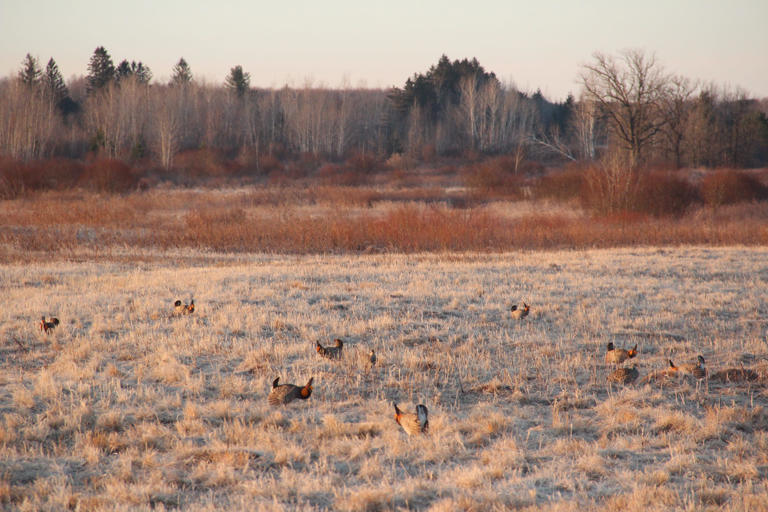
(629, 91)
(676, 107)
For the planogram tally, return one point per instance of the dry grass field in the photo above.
(125, 407)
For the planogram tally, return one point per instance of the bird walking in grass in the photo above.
(412, 423)
(619, 355)
(48, 325)
(372, 358)
(518, 313)
(697, 369)
(333, 352)
(624, 375)
(283, 394)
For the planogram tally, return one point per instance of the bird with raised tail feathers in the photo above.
(48, 325)
(697, 369)
(517, 313)
(412, 423)
(333, 352)
(619, 355)
(283, 394)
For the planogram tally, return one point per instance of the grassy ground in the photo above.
(122, 407)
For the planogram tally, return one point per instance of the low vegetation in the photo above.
(125, 405)
(397, 212)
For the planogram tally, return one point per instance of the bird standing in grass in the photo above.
(697, 369)
(49, 325)
(179, 308)
(619, 355)
(333, 352)
(372, 358)
(284, 394)
(517, 313)
(412, 423)
(624, 375)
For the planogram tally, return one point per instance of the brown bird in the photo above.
(333, 352)
(517, 313)
(180, 308)
(372, 358)
(49, 325)
(697, 369)
(619, 355)
(284, 394)
(624, 375)
(412, 423)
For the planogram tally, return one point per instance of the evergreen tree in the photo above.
(30, 72)
(101, 70)
(53, 82)
(123, 71)
(142, 73)
(182, 74)
(238, 80)
(139, 71)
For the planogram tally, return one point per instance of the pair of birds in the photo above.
(615, 355)
(283, 394)
(335, 352)
(179, 308)
(628, 375)
(48, 325)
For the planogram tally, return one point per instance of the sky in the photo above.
(532, 44)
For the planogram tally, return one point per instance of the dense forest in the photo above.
(628, 104)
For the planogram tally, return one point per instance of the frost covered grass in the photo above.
(124, 406)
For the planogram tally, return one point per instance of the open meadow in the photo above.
(124, 406)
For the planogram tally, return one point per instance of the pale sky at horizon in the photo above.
(535, 45)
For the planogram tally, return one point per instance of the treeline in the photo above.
(456, 108)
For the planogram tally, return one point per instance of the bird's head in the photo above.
(306, 391)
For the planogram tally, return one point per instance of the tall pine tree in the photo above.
(101, 70)
(139, 71)
(30, 72)
(182, 73)
(53, 83)
(238, 80)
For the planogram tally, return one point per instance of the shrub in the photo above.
(269, 164)
(17, 177)
(728, 187)
(662, 193)
(11, 178)
(200, 163)
(494, 177)
(609, 188)
(363, 162)
(562, 186)
(108, 175)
